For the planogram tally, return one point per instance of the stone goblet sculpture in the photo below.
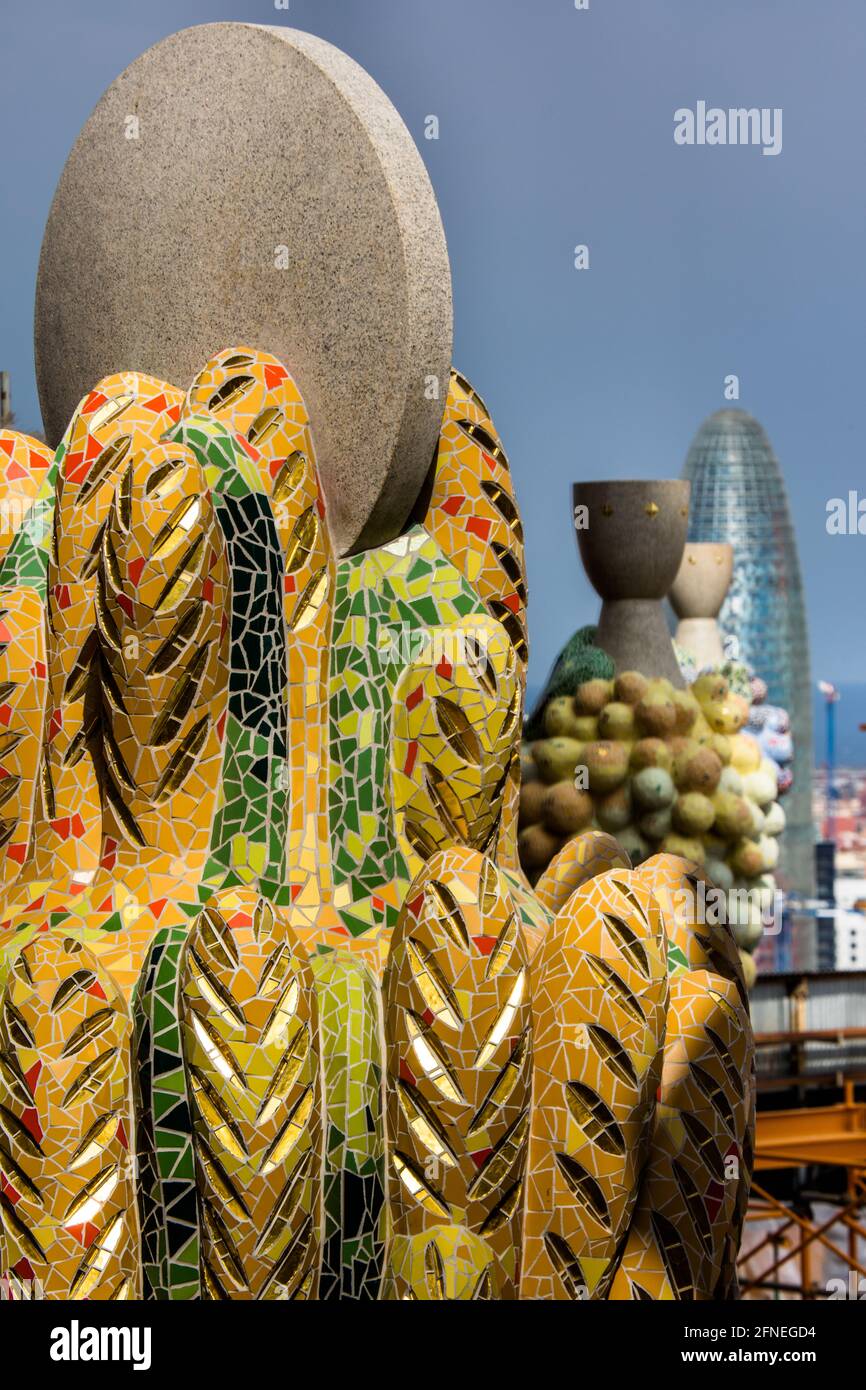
(696, 597)
(631, 536)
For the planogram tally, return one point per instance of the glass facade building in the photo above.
(738, 495)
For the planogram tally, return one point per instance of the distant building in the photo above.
(825, 871)
(850, 940)
(849, 817)
(738, 495)
(808, 940)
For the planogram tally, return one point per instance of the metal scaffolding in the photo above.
(807, 1232)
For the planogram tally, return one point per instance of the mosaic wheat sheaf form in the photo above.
(459, 1061)
(70, 1222)
(250, 1043)
(263, 920)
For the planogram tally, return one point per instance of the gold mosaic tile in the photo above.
(459, 1067)
(600, 993)
(250, 1035)
(68, 1206)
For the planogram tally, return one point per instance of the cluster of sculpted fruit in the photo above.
(664, 770)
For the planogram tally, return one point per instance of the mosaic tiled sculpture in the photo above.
(262, 915)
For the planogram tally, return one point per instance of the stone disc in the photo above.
(248, 184)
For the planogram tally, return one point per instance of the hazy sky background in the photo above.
(556, 127)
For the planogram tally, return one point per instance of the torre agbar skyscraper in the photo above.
(738, 495)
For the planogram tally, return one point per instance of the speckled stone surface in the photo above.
(703, 579)
(631, 548)
(696, 596)
(162, 249)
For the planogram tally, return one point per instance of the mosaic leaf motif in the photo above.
(23, 689)
(459, 1070)
(250, 1034)
(67, 1204)
(694, 1191)
(582, 858)
(600, 1001)
(472, 513)
(161, 605)
(121, 418)
(249, 830)
(96, 885)
(454, 725)
(246, 421)
(166, 1165)
(241, 784)
(350, 1028)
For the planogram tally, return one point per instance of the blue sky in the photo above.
(556, 128)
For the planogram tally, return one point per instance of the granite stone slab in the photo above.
(247, 184)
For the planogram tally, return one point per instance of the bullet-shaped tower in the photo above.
(738, 495)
